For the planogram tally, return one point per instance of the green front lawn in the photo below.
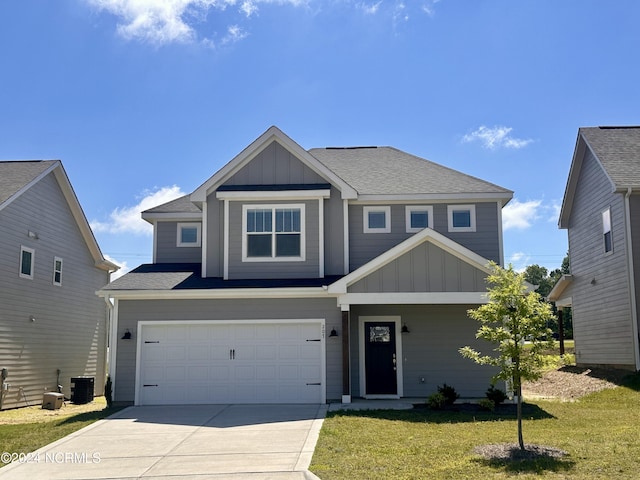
(600, 433)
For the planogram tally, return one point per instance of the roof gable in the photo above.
(18, 177)
(617, 152)
(273, 134)
(427, 235)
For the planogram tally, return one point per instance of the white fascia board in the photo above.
(416, 298)
(171, 216)
(502, 199)
(425, 235)
(204, 294)
(274, 195)
(250, 152)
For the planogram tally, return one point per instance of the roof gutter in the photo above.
(632, 286)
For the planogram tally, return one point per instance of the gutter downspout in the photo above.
(113, 341)
(632, 283)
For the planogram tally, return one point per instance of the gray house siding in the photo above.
(309, 268)
(426, 268)
(214, 237)
(634, 209)
(68, 332)
(364, 247)
(430, 349)
(601, 311)
(132, 311)
(274, 166)
(334, 234)
(167, 250)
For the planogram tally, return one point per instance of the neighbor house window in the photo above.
(26, 262)
(462, 218)
(418, 217)
(57, 271)
(189, 234)
(606, 231)
(273, 232)
(376, 219)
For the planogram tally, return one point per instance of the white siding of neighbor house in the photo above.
(130, 312)
(69, 331)
(600, 291)
(363, 247)
(430, 349)
(635, 237)
(167, 250)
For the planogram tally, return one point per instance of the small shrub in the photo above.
(495, 395)
(436, 401)
(449, 393)
(487, 404)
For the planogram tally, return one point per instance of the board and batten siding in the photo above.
(600, 292)
(69, 330)
(167, 250)
(430, 349)
(425, 268)
(130, 312)
(363, 247)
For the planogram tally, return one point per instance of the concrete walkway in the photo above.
(184, 442)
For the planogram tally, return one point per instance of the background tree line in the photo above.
(537, 275)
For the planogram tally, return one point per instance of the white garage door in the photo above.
(248, 362)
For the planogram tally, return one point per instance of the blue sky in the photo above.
(143, 100)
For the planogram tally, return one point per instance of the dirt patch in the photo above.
(37, 414)
(571, 383)
(513, 452)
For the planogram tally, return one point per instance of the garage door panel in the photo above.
(231, 363)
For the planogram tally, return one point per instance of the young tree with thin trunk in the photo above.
(512, 316)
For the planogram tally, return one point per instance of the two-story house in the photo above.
(295, 276)
(52, 325)
(601, 213)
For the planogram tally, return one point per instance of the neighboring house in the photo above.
(601, 212)
(52, 325)
(295, 276)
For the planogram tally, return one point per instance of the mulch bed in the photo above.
(512, 452)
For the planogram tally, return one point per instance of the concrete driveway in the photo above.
(184, 442)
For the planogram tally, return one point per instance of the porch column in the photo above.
(346, 360)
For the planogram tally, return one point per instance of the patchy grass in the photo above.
(24, 430)
(599, 432)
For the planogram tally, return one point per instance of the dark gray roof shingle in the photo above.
(179, 205)
(389, 171)
(618, 149)
(14, 175)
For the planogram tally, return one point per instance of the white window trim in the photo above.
(181, 225)
(56, 260)
(387, 219)
(409, 209)
(273, 207)
(604, 245)
(33, 262)
(472, 212)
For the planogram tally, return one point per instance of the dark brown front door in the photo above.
(380, 358)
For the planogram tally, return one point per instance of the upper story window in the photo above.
(57, 271)
(462, 218)
(189, 235)
(606, 231)
(376, 219)
(273, 232)
(26, 262)
(418, 217)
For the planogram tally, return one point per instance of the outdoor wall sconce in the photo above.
(127, 335)
(333, 333)
(404, 329)
(32, 318)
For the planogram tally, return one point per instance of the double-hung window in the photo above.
(273, 232)
(606, 231)
(462, 218)
(57, 271)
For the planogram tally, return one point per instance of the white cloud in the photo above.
(128, 220)
(124, 268)
(428, 7)
(496, 137)
(520, 215)
(519, 260)
(370, 9)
